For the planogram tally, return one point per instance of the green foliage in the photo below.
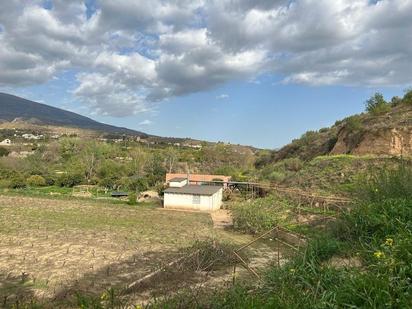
(377, 232)
(17, 181)
(377, 105)
(259, 215)
(4, 152)
(353, 123)
(407, 98)
(132, 199)
(388, 182)
(36, 181)
(69, 179)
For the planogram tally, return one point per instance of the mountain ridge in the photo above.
(13, 108)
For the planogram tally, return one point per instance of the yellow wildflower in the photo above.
(104, 296)
(379, 254)
(292, 270)
(389, 242)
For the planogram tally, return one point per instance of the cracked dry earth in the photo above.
(51, 248)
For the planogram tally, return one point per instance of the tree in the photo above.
(407, 98)
(170, 158)
(377, 105)
(90, 156)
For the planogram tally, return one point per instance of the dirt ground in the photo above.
(50, 247)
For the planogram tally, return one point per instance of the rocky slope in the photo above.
(387, 133)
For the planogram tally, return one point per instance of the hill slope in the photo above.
(12, 107)
(383, 133)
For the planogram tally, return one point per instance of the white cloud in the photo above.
(222, 96)
(131, 54)
(146, 122)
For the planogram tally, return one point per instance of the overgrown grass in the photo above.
(377, 234)
(259, 215)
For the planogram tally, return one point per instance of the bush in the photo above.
(4, 152)
(69, 180)
(132, 199)
(353, 123)
(386, 183)
(36, 181)
(276, 176)
(17, 181)
(377, 105)
(258, 215)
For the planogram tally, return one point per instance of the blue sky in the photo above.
(250, 72)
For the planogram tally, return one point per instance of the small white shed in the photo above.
(178, 182)
(193, 197)
(5, 142)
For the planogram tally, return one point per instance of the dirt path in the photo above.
(221, 219)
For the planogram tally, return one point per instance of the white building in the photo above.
(32, 136)
(181, 195)
(5, 142)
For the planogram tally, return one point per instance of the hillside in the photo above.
(13, 108)
(384, 132)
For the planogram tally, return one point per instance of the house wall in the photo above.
(185, 201)
(178, 184)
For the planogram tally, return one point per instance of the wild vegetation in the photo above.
(361, 261)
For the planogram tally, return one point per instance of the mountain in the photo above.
(13, 107)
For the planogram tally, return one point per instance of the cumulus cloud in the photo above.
(130, 54)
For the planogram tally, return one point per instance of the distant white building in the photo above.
(5, 142)
(181, 195)
(31, 136)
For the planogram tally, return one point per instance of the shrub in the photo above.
(386, 183)
(395, 101)
(69, 180)
(293, 164)
(377, 105)
(132, 199)
(353, 123)
(36, 181)
(276, 176)
(258, 215)
(4, 152)
(17, 181)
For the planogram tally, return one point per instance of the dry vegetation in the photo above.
(49, 248)
(53, 249)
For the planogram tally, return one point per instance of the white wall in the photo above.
(185, 201)
(178, 184)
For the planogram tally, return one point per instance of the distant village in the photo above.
(22, 143)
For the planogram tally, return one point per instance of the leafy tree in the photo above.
(377, 105)
(407, 98)
(171, 158)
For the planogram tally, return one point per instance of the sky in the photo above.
(253, 72)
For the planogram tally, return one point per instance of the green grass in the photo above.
(376, 234)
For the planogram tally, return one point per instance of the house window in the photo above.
(196, 199)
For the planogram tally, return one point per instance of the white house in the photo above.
(181, 195)
(178, 182)
(31, 136)
(5, 142)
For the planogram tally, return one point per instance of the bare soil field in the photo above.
(51, 249)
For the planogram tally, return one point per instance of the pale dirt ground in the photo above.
(50, 249)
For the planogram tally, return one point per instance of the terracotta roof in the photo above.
(194, 189)
(177, 179)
